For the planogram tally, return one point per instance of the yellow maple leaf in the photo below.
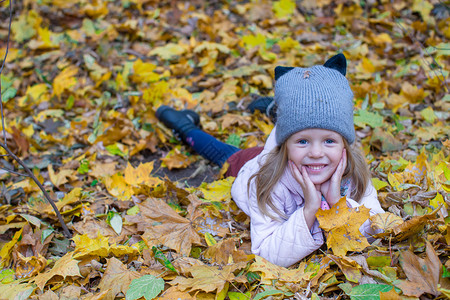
(284, 8)
(65, 80)
(117, 187)
(72, 197)
(141, 175)
(342, 224)
(143, 72)
(270, 271)
(219, 190)
(66, 266)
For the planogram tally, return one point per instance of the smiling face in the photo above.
(318, 150)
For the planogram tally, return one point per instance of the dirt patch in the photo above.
(194, 175)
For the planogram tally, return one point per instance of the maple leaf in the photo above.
(165, 226)
(116, 278)
(342, 224)
(386, 222)
(141, 175)
(208, 278)
(423, 273)
(270, 271)
(64, 267)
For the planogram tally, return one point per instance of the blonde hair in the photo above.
(276, 162)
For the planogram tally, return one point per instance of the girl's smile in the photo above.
(318, 151)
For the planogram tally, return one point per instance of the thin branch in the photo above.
(1, 69)
(12, 171)
(47, 196)
(10, 153)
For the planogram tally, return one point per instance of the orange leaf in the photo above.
(342, 224)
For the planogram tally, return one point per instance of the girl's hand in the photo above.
(311, 194)
(331, 189)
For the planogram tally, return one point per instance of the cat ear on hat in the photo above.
(280, 71)
(337, 62)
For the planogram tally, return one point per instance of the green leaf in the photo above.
(159, 256)
(6, 276)
(147, 286)
(115, 220)
(84, 167)
(32, 220)
(133, 211)
(364, 117)
(369, 291)
(271, 293)
(46, 233)
(115, 150)
(428, 114)
(378, 184)
(445, 273)
(252, 277)
(239, 296)
(234, 140)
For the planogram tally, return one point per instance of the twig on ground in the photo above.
(4, 145)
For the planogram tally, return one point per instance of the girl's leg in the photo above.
(238, 160)
(184, 124)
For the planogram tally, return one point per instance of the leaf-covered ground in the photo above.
(80, 87)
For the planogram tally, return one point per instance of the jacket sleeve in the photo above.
(369, 200)
(282, 242)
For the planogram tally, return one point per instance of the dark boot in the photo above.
(265, 105)
(181, 122)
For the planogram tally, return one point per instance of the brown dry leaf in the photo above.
(207, 278)
(342, 224)
(165, 226)
(386, 222)
(176, 160)
(64, 267)
(29, 266)
(414, 225)
(100, 170)
(391, 295)
(62, 177)
(173, 293)
(423, 273)
(221, 252)
(234, 119)
(116, 279)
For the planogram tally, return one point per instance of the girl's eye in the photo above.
(302, 142)
(329, 141)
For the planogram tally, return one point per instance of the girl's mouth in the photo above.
(315, 168)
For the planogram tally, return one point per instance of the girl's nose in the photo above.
(316, 151)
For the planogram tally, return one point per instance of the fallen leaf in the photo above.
(342, 224)
(116, 279)
(64, 267)
(166, 227)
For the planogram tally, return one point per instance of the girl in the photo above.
(308, 162)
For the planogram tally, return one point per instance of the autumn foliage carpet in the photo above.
(80, 87)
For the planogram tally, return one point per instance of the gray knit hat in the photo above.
(315, 97)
